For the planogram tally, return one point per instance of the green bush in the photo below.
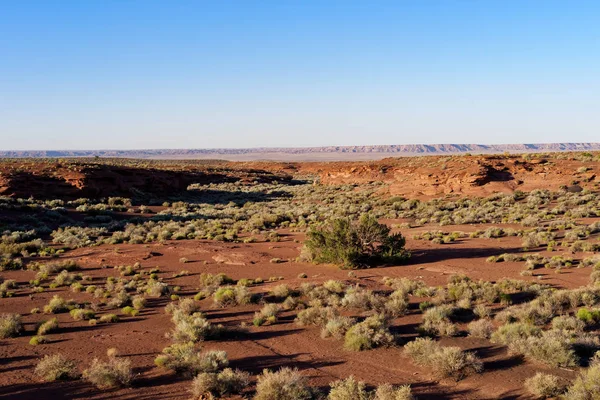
(355, 244)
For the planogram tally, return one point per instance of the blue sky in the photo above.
(204, 74)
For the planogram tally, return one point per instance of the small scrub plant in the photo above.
(184, 358)
(284, 384)
(545, 386)
(129, 310)
(10, 325)
(585, 386)
(36, 340)
(337, 326)
(55, 367)
(108, 318)
(209, 384)
(372, 332)
(388, 392)
(445, 362)
(267, 314)
(481, 329)
(436, 321)
(57, 305)
(355, 244)
(115, 372)
(348, 389)
(81, 314)
(47, 327)
(232, 296)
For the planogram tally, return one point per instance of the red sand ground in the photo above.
(283, 344)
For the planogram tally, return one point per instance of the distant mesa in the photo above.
(327, 153)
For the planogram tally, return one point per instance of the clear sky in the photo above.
(127, 74)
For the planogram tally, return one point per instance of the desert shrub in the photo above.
(333, 286)
(35, 340)
(482, 328)
(285, 384)
(115, 372)
(482, 311)
(436, 321)
(10, 325)
(193, 328)
(356, 297)
(509, 333)
(138, 302)
(109, 318)
(587, 385)
(337, 326)
(281, 291)
(226, 382)
(156, 288)
(48, 326)
(445, 362)
(388, 392)
(232, 296)
(119, 299)
(55, 367)
(567, 323)
(314, 316)
(545, 385)
(553, 348)
(56, 305)
(184, 358)
(348, 389)
(372, 332)
(588, 316)
(267, 314)
(365, 242)
(128, 310)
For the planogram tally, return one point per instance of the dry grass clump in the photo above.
(232, 296)
(512, 332)
(587, 385)
(55, 367)
(568, 323)
(445, 362)
(58, 305)
(10, 325)
(184, 358)
(80, 314)
(116, 372)
(48, 326)
(553, 348)
(372, 332)
(267, 314)
(315, 316)
(545, 386)
(348, 389)
(482, 329)
(436, 321)
(285, 384)
(337, 326)
(227, 382)
(388, 392)
(355, 297)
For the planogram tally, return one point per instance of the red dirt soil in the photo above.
(141, 338)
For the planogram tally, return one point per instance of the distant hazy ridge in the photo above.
(308, 153)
